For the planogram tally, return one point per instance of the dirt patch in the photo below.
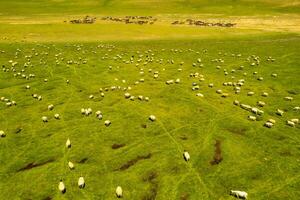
(218, 154)
(47, 198)
(117, 146)
(150, 177)
(294, 92)
(33, 165)
(83, 160)
(237, 130)
(134, 161)
(144, 126)
(18, 130)
(184, 196)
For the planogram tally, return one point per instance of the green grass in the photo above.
(264, 162)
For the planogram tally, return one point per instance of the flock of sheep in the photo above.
(141, 62)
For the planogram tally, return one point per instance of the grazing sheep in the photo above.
(45, 80)
(186, 155)
(264, 94)
(236, 102)
(27, 87)
(45, 119)
(40, 98)
(91, 96)
(279, 112)
(61, 187)
(71, 165)
(239, 194)
(56, 116)
(274, 75)
(107, 122)
(127, 95)
(273, 121)
(296, 108)
(252, 118)
(50, 107)
(288, 98)
(290, 123)
(102, 94)
(146, 98)
(261, 103)
(199, 95)
(177, 80)
(81, 182)
(68, 143)
(224, 95)
(268, 124)
(296, 121)
(2, 134)
(119, 192)
(82, 111)
(211, 85)
(250, 93)
(152, 118)
(219, 91)
(140, 97)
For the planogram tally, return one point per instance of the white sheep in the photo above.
(50, 107)
(127, 95)
(71, 165)
(273, 121)
(91, 96)
(40, 98)
(68, 143)
(186, 155)
(199, 95)
(252, 118)
(290, 123)
(288, 98)
(296, 108)
(268, 124)
(45, 119)
(279, 112)
(62, 187)
(56, 116)
(81, 182)
(261, 103)
(264, 94)
(296, 121)
(107, 122)
(152, 118)
(2, 133)
(250, 93)
(224, 95)
(239, 194)
(119, 192)
(236, 102)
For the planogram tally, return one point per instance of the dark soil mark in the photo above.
(184, 196)
(218, 154)
(150, 177)
(47, 198)
(33, 165)
(134, 161)
(18, 130)
(294, 92)
(236, 130)
(183, 137)
(83, 160)
(144, 126)
(117, 146)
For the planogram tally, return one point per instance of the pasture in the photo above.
(153, 92)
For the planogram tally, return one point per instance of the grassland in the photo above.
(148, 163)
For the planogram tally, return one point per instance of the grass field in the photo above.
(145, 157)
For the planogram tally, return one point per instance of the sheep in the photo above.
(236, 102)
(274, 75)
(245, 107)
(40, 98)
(252, 118)
(239, 194)
(81, 183)
(127, 95)
(296, 121)
(250, 93)
(272, 121)
(279, 112)
(186, 155)
(132, 98)
(140, 97)
(107, 122)
(177, 80)
(219, 91)
(56, 116)
(27, 87)
(261, 103)
(71, 165)
(45, 119)
(91, 96)
(264, 94)
(288, 98)
(61, 187)
(152, 118)
(68, 143)
(119, 192)
(102, 94)
(296, 108)
(45, 80)
(211, 85)
(146, 98)
(290, 123)
(199, 95)
(268, 124)
(50, 107)
(82, 111)
(2, 134)
(224, 95)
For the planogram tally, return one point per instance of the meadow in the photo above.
(77, 66)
